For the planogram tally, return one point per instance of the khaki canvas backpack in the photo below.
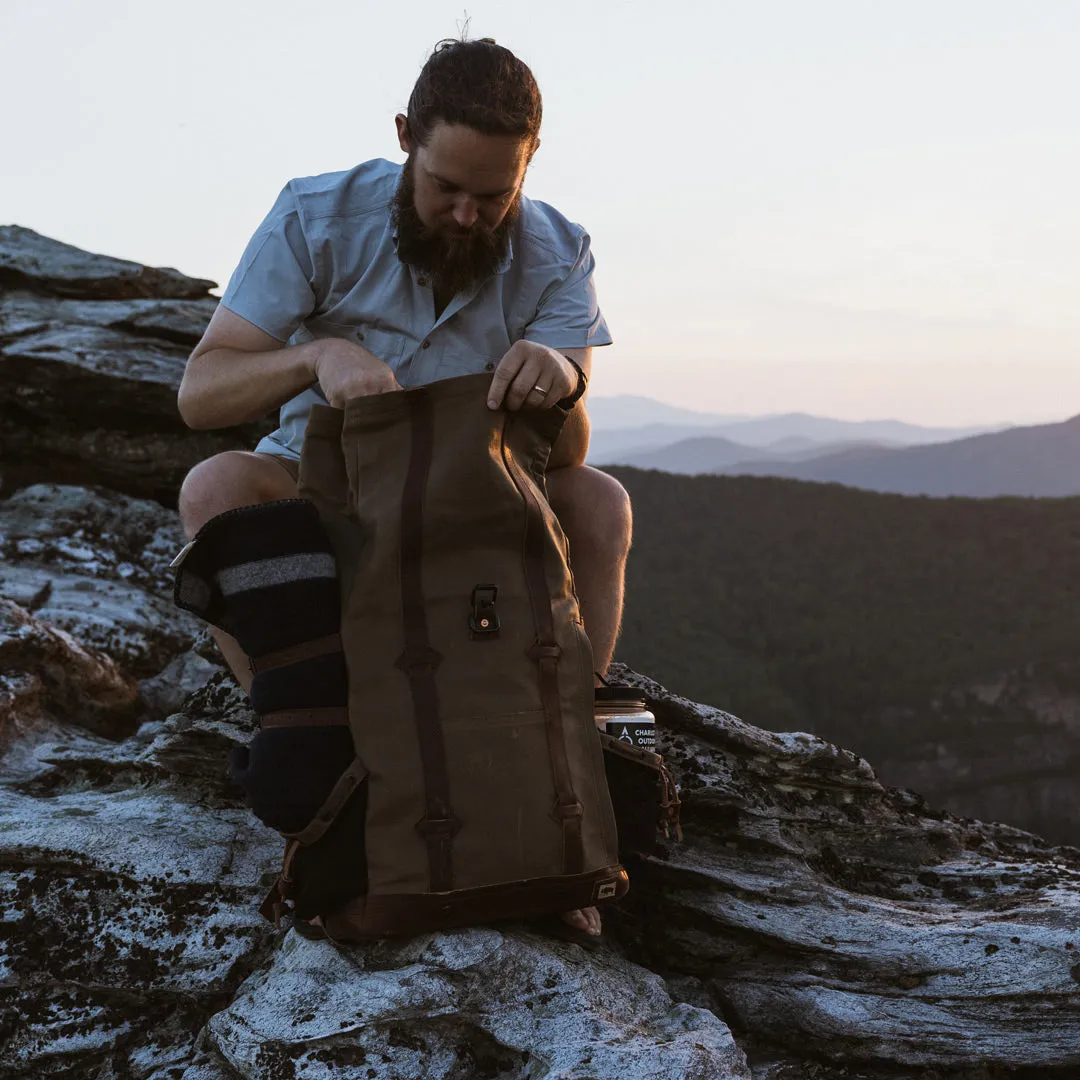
(474, 787)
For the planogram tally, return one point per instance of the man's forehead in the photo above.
(470, 159)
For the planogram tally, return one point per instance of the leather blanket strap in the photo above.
(293, 654)
(323, 716)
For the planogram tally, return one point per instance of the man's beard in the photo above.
(453, 264)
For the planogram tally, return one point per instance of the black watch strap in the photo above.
(570, 400)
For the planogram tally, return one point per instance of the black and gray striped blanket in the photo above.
(267, 576)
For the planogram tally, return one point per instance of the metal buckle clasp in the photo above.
(484, 620)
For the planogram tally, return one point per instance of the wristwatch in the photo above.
(570, 400)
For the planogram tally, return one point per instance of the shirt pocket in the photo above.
(384, 344)
(455, 364)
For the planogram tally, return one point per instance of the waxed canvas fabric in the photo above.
(484, 763)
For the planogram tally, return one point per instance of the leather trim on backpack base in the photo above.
(414, 913)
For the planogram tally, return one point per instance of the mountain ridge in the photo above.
(1040, 460)
(615, 445)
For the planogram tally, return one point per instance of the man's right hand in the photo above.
(239, 373)
(346, 370)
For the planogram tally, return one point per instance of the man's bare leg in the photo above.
(594, 511)
(225, 482)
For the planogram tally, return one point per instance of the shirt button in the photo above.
(489, 366)
(425, 345)
(421, 281)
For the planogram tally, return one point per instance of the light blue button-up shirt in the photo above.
(324, 264)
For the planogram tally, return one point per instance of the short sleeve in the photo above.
(273, 287)
(569, 316)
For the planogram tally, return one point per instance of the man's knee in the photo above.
(614, 513)
(594, 506)
(229, 480)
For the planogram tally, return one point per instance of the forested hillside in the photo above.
(824, 608)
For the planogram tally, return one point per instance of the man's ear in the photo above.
(402, 122)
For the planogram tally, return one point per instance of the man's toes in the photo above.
(587, 919)
(592, 917)
(577, 919)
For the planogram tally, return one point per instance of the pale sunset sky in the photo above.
(859, 208)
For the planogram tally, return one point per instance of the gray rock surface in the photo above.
(92, 350)
(181, 322)
(96, 563)
(470, 1003)
(128, 907)
(39, 263)
(825, 914)
(810, 919)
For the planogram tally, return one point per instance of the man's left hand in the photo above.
(531, 376)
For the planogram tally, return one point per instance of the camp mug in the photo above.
(621, 712)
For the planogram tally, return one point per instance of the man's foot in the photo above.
(587, 919)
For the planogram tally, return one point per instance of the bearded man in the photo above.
(386, 277)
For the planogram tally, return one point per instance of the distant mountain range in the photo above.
(631, 411)
(880, 455)
(625, 429)
(1043, 460)
(714, 454)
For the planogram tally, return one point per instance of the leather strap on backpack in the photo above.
(275, 904)
(347, 783)
(670, 804)
(546, 651)
(418, 659)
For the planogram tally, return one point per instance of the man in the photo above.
(385, 277)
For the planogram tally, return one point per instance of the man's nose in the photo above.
(466, 211)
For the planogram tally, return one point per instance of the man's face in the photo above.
(456, 202)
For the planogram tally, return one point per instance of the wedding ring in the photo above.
(542, 389)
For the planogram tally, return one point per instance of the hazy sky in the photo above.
(854, 207)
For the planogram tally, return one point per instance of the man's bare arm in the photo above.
(573, 442)
(238, 373)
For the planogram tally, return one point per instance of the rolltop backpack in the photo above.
(421, 674)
